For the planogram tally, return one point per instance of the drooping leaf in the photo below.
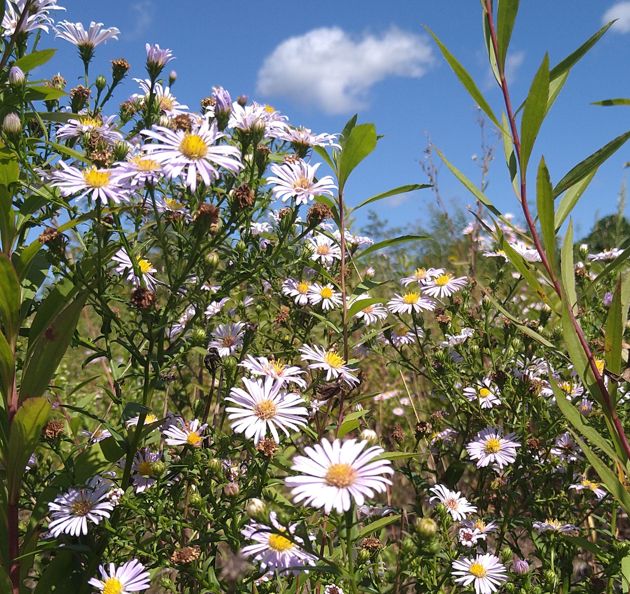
(510, 154)
(361, 141)
(534, 111)
(570, 198)
(361, 304)
(350, 423)
(387, 243)
(393, 192)
(544, 202)
(34, 59)
(567, 267)
(506, 17)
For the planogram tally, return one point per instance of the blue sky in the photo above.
(374, 58)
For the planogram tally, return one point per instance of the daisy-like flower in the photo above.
(227, 338)
(421, 276)
(485, 572)
(605, 255)
(142, 272)
(275, 369)
(480, 526)
(185, 433)
(565, 448)
(486, 393)
(129, 577)
(192, 154)
(215, 307)
(371, 313)
(495, 254)
(468, 537)
(552, 525)
(298, 290)
(330, 361)
(140, 170)
(411, 301)
(98, 184)
(324, 295)
(149, 419)
(157, 57)
(324, 249)
(445, 285)
(38, 17)
(586, 485)
(164, 99)
(263, 406)
(91, 124)
(491, 447)
(453, 340)
(297, 180)
(402, 335)
(71, 511)
(76, 34)
(570, 389)
(333, 589)
(276, 548)
(303, 138)
(257, 119)
(529, 254)
(332, 475)
(146, 468)
(457, 506)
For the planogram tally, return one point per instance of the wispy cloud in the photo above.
(513, 62)
(333, 70)
(621, 12)
(142, 13)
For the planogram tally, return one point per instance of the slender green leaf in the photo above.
(544, 200)
(361, 141)
(465, 79)
(510, 154)
(10, 296)
(567, 267)
(351, 123)
(492, 57)
(6, 365)
(393, 192)
(34, 59)
(361, 304)
(570, 198)
(611, 102)
(614, 332)
(350, 422)
(323, 153)
(41, 93)
(506, 16)
(590, 164)
(524, 269)
(377, 525)
(534, 111)
(389, 242)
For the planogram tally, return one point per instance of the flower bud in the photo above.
(212, 259)
(215, 466)
(100, 83)
(198, 335)
(369, 435)
(520, 566)
(369, 272)
(172, 77)
(255, 507)
(16, 76)
(242, 100)
(550, 577)
(426, 527)
(158, 468)
(364, 555)
(12, 124)
(506, 554)
(231, 490)
(195, 499)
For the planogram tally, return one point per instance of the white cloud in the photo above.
(333, 70)
(620, 11)
(141, 16)
(512, 63)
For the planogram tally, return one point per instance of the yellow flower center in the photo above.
(150, 418)
(566, 387)
(333, 359)
(91, 122)
(411, 298)
(478, 570)
(480, 525)
(144, 265)
(323, 249)
(145, 468)
(420, 273)
(492, 446)
(279, 543)
(302, 287)
(326, 293)
(599, 363)
(341, 475)
(112, 585)
(269, 109)
(590, 484)
(228, 341)
(173, 204)
(166, 103)
(193, 147)
(301, 183)
(145, 164)
(368, 310)
(95, 178)
(193, 439)
(277, 366)
(484, 393)
(265, 410)
(81, 508)
(442, 280)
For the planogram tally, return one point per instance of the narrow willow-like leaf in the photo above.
(506, 16)
(9, 296)
(6, 365)
(510, 154)
(492, 57)
(393, 192)
(544, 202)
(534, 111)
(361, 141)
(567, 267)
(389, 242)
(470, 186)
(611, 102)
(614, 332)
(590, 164)
(570, 198)
(465, 79)
(377, 525)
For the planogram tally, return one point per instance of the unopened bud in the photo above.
(506, 554)
(100, 83)
(520, 566)
(12, 124)
(196, 500)
(369, 435)
(242, 100)
(198, 335)
(426, 527)
(172, 77)
(16, 76)
(231, 490)
(215, 466)
(255, 507)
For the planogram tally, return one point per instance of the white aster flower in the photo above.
(142, 271)
(402, 335)
(37, 18)
(145, 469)
(324, 295)
(129, 577)
(192, 154)
(275, 369)
(445, 285)
(324, 249)
(468, 537)
(410, 302)
(330, 361)
(529, 254)
(421, 276)
(586, 485)
(185, 433)
(215, 307)
(486, 393)
(298, 290)
(88, 124)
(76, 34)
(256, 118)
(552, 525)
(491, 447)
(157, 57)
(371, 313)
(303, 138)
(297, 180)
(457, 506)
(101, 184)
(140, 170)
(227, 338)
(605, 255)
(332, 475)
(484, 572)
(565, 448)
(276, 548)
(263, 406)
(162, 96)
(453, 340)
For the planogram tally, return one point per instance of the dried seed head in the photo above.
(317, 214)
(423, 428)
(267, 446)
(398, 433)
(142, 298)
(53, 429)
(182, 122)
(371, 543)
(244, 196)
(47, 235)
(282, 316)
(186, 555)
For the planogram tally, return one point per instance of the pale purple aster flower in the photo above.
(76, 34)
(297, 180)
(129, 577)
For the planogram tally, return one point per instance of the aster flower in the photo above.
(38, 17)
(371, 313)
(586, 485)
(185, 433)
(445, 285)
(484, 572)
(402, 335)
(98, 184)
(297, 180)
(332, 475)
(495, 254)
(491, 447)
(140, 170)
(157, 57)
(457, 506)
(565, 448)
(468, 537)
(303, 138)
(129, 577)
(91, 124)
(142, 271)
(263, 406)
(162, 96)
(257, 119)
(192, 154)
(276, 548)
(410, 302)
(71, 511)
(453, 340)
(324, 295)
(76, 34)
(227, 338)
(324, 249)
(329, 361)
(215, 307)
(149, 419)
(480, 526)
(145, 469)
(528, 253)
(486, 393)
(606, 255)
(421, 276)
(275, 369)
(333, 589)
(552, 525)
